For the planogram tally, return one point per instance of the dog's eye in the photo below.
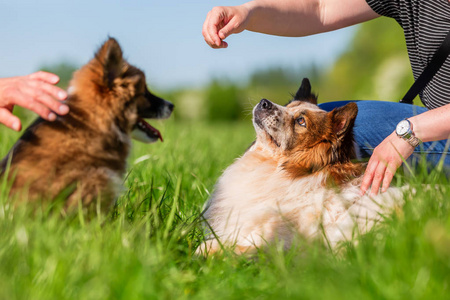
(301, 121)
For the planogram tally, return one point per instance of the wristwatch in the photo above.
(404, 130)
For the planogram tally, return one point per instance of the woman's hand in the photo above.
(36, 92)
(384, 162)
(222, 21)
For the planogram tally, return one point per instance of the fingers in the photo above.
(44, 76)
(382, 178)
(228, 29)
(368, 176)
(217, 27)
(46, 81)
(388, 176)
(215, 23)
(378, 178)
(211, 27)
(37, 93)
(48, 95)
(378, 174)
(33, 103)
(383, 164)
(9, 120)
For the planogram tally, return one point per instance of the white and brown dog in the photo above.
(297, 178)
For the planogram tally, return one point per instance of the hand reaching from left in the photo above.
(36, 92)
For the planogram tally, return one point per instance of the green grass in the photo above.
(144, 249)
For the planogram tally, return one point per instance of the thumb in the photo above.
(228, 29)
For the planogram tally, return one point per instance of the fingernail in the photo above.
(55, 79)
(63, 109)
(51, 117)
(16, 125)
(62, 95)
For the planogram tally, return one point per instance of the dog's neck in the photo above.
(336, 173)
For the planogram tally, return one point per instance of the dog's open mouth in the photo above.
(145, 133)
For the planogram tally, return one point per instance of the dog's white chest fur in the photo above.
(256, 202)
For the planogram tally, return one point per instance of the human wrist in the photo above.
(417, 129)
(250, 8)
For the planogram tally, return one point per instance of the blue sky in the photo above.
(161, 37)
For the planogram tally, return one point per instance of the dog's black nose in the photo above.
(265, 104)
(171, 106)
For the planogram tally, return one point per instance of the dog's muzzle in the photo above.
(261, 111)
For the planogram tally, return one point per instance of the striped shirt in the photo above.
(425, 24)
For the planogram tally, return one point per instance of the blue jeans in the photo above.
(378, 119)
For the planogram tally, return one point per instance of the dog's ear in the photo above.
(304, 93)
(110, 57)
(343, 119)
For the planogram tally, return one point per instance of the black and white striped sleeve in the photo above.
(387, 8)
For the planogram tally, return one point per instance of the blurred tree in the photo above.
(223, 100)
(189, 103)
(279, 84)
(375, 66)
(64, 70)
(272, 76)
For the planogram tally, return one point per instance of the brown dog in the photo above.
(83, 155)
(297, 178)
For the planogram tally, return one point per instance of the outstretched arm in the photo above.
(283, 18)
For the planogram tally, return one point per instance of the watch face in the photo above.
(402, 127)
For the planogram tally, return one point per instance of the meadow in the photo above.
(144, 248)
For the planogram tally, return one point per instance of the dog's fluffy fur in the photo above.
(297, 177)
(83, 154)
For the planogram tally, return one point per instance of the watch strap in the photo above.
(409, 136)
(413, 141)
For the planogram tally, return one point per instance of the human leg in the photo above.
(378, 119)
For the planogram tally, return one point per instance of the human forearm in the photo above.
(432, 125)
(283, 17)
(301, 18)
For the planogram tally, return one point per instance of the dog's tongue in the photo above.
(146, 133)
(149, 129)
